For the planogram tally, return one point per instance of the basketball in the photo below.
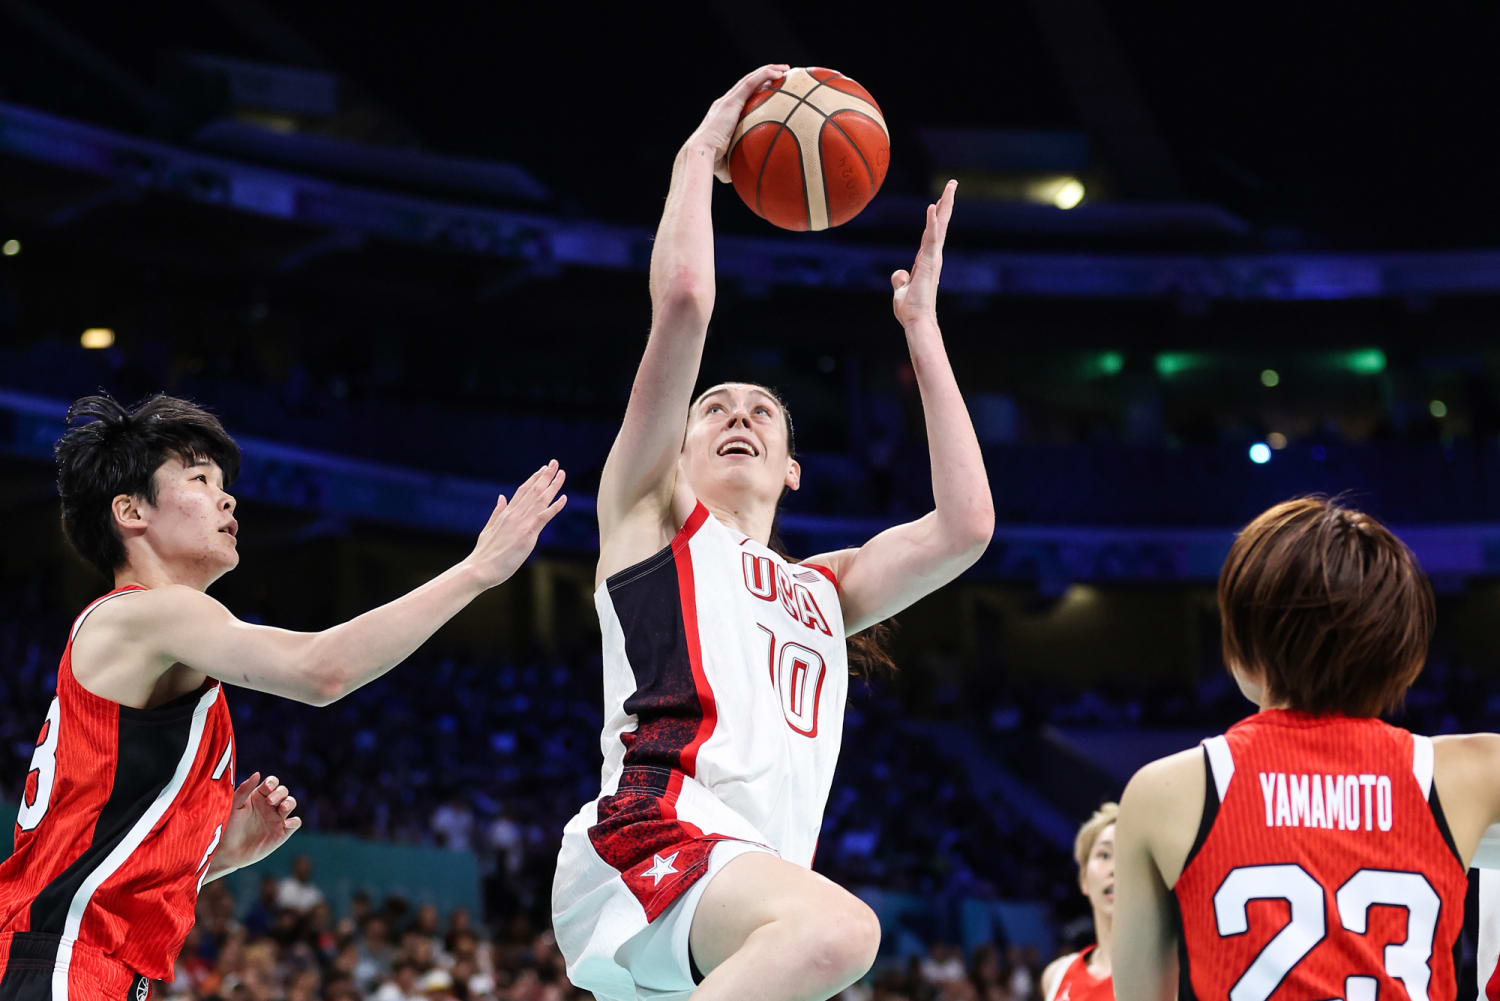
(810, 151)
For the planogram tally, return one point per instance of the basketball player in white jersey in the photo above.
(725, 665)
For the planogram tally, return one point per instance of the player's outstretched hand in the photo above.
(718, 126)
(260, 821)
(514, 525)
(915, 291)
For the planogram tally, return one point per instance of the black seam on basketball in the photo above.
(760, 176)
(857, 152)
(761, 171)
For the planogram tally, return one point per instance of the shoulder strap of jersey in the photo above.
(1421, 763)
(78, 622)
(1220, 763)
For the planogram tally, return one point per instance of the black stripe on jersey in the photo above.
(1442, 823)
(648, 603)
(149, 744)
(1210, 810)
(28, 967)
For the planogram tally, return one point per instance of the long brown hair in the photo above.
(1329, 605)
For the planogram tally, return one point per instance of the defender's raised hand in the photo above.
(512, 531)
(915, 297)
(713, 134)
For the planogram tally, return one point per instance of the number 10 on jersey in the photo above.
(797, 674)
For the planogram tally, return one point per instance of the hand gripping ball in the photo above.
(810, 150)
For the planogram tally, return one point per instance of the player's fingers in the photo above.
(288, 805)
(554, 507)
(760, 75)
(291, 824)
(244, 789)
(899, 279)
(269, 785)
(558, 479)
(278, 797)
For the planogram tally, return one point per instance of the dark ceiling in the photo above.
(1321, 125)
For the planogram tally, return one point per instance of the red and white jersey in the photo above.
(1488, 946)
(725, 678)
(121, 815)
(1078, 984)
(1324, 867)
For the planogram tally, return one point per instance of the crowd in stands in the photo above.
(287, 945)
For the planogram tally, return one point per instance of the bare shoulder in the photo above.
(1165, 779)
(1161, 809)
(836, 561)
(1054, 971)
(150, 608)
(1464, 753)
(643, 530)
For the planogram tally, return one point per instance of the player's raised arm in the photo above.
(903, 563)
(642, 462)
(180, 624)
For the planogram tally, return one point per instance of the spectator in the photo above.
(297, 892)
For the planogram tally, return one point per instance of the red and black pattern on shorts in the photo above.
(639, 833)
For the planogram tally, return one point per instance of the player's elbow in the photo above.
(683, 298)
(971, 529)
(326, 682)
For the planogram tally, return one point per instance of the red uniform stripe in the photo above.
(683, 556)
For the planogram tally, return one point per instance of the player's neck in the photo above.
(146, 569)
(1104, 931)
(750, 520)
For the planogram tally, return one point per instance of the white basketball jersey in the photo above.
(726, 663)
(725, 675)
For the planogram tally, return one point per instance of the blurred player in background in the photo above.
(1312, 851)
(725, 665)
(130, 803)
(1085, 975)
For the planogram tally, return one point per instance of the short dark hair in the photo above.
(1329, 605)
(110, 450)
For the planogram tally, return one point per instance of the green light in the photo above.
(1438, 409)
(1368, 361)
(1171, 363)
(1111, 362)
(1270, 378)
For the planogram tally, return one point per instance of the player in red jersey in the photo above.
(1086, 975)
(1312, 851)
(130, 803)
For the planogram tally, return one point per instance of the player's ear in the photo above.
(793, 474)
(128, 512)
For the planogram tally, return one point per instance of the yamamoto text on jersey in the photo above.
(1332, 802)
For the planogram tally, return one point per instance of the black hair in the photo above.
(110, 450)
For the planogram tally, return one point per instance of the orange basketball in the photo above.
(810, 151)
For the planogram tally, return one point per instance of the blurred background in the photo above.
(1204, 258)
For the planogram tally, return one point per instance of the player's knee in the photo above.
(839, 942)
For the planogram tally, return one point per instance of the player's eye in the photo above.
(763, 411)
(202, 476)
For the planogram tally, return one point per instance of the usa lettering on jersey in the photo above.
(770, 581)
(1332, 802)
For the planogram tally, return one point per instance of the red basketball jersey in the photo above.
(1078, 984)
(122, 812)
(1324, 867)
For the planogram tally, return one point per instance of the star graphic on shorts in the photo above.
(661, 867)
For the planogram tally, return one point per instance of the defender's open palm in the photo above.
(915, 297)
(514, 526)
(723, 117)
